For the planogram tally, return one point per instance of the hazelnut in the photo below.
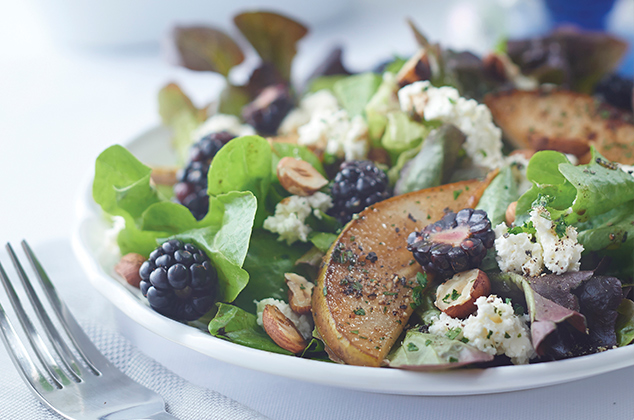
(415, 69)
(456, 297)
(299, 177)
(510, 213)
(300, 292)
(164, 175)
(128, 268)
(282, 330)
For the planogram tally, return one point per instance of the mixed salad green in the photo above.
(572, 313)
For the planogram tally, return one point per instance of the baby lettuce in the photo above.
(425, 352)
(122, 188)
(354, 92)
(238, 326)
(243, 164)
(597, 198)
(501, 192)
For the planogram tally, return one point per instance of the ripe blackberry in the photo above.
(357, 185)
(456, 243)
(616, 91)
(191, 189)
(179, 281)
(268, 109)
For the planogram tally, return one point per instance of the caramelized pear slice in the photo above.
(363, 296)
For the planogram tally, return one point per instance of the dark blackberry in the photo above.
(179, 281)
(268, 109)
(616, 90)
(191, 189)
(456, 243)
(357, 185)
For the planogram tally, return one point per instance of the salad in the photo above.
(438, 211)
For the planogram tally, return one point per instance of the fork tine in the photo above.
(87, 350)
(20, 357)
(65, 354)
(38, 345)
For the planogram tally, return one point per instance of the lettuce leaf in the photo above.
(434, 163)
(354, 92)
(266, 262)
(122, 188)
(597, 198)
(238, 326)
(501, 192)
(243, 164)
(428, 352)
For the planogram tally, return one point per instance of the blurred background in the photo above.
(89, 72)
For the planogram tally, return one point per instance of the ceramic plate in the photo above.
(98, 259)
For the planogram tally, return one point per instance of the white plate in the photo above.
(98, 260)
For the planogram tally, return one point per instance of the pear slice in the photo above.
(362, 299)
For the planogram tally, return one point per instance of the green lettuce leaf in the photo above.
(383, 101)
(243, 164)
(238, 326)
(172, 101)
(501, 192)
(402, 134)
(266, 262)
(422, 351)
(324, 82)
(122, 183)
(354, 92)
(433, 165)
(625, 323)
(224, 234)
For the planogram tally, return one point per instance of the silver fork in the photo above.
(89, 388)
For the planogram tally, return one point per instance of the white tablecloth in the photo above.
(60, 109)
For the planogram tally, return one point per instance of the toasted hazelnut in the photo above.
(495, 67)
(456, 297)
(164, 175)
(285, 138)
(299, 177)
(128, 268)
(282, 330)
(415, 69)
(510, 213)
(300, 292)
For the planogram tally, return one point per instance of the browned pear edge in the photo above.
(324, 319)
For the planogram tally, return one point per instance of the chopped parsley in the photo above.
(359, 311)
(412, 347)
(453, 333)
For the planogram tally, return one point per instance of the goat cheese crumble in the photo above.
(303, 323)
(318, 102)
(528, 253)
(291, 213)
(484, 140)
(222, 122)
(336, 133)
(493, 329)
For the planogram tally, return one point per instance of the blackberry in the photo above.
(357, 185)
(268, 109)
(179, 281)
(456, 243)
(616, 90)
(191, 189)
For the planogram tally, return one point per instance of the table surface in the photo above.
(59, 109)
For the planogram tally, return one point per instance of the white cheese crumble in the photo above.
(303, 323)
(484, 140)
(336, 133)
(628, 169)
(493, 329)
(560, 254)
(291, 213)
(319, 101)
(519, 253)
(528, 254)
(222, 122)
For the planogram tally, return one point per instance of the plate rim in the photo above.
(379, 380)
